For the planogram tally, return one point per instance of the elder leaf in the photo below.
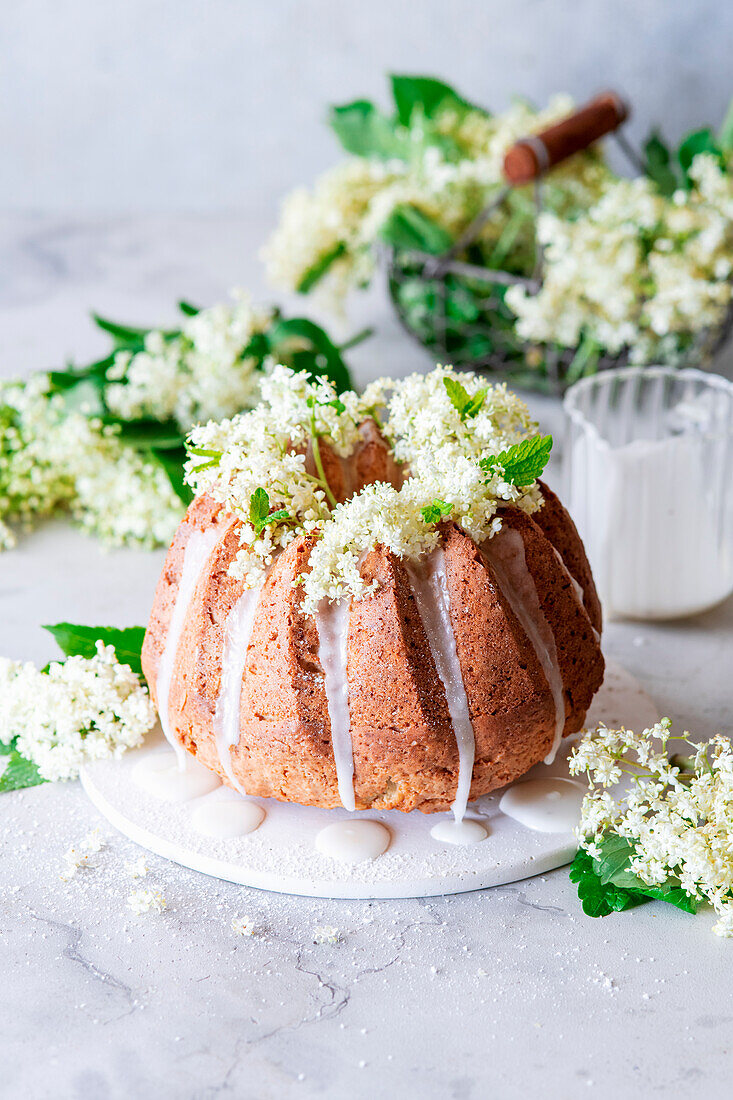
(75, 639)
(19, 773)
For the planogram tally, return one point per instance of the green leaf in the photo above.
(124, 336)
(364, 131)
(658, 164)
(597, 898)
(725, 133)
(75, 639)
(613, 868)
(408, 228)
(435, 512)
(188, 309)
(524, 462)
(426, 95)
(324, 358)
(701, 141)
(315, 273)
(172, 462)
(259, 511)
(161, 434)
(19, 773)
(468, 405)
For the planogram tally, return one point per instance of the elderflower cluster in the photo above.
(81, 710)
(202, 373)
(336, 224)
(637, 270)
(53, 459)
(677, 813)
(281, 446)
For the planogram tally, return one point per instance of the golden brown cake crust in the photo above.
(405, 752)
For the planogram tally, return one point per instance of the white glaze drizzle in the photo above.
(237, 634)
(545, 805)
(505, 552)
(464, 832)
(353, 841)
(332, 623)
(577, 589)
(430, 588)
(197, 550)
(160, 774)
(227, 818)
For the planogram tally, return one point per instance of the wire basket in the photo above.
(456, 309)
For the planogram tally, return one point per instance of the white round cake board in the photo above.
(281, 854)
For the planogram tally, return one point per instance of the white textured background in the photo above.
(208, 105)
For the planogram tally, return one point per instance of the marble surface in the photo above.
(502, 992)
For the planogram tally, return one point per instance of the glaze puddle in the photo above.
(237, 634)
(463, 832)
(166, 777)
(225, 818)
(545, 805)
(353, 841)
(430, 588)
(505, 552)
(332, 623)
(197, 550)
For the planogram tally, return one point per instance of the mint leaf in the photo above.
(467, 405)
(19, 773)
(75, 639)
(523, 463)
(259, 511)
(433, 513)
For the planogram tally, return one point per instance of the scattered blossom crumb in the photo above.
(137, 868)
(326, 933)
(147, 901)
(243, 926)
(81, 855)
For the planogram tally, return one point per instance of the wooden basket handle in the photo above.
(531, 157)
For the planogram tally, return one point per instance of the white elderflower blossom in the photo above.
(280, 447)
(82, 709)
(341, 217)
(201, 374)
(81, 855)
(326, 933)
(243, 926)
(677, 813)
(54, 459)
(146, 901)
(137, 868)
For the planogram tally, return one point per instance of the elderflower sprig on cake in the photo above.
(106, 441)
(91, 706)
(464, 448)
(667, 833)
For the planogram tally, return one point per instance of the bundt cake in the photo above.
(372, 601)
